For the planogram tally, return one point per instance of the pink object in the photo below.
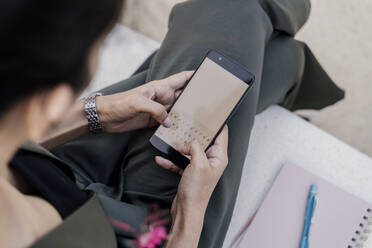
(338, 216)
(122, 225)
(153, 238)
(154, 223)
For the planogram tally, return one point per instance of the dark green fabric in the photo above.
(256, 33)
(86, 228)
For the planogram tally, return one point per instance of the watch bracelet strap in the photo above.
(92, 114)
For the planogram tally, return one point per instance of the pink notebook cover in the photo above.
(279, 221)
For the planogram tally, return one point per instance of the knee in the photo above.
(283, 68)
(287, 16)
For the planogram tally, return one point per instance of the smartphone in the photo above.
(207, 102)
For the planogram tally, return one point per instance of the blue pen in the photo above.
(311, 203)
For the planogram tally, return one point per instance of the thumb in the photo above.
(178, 80)
(196, 151)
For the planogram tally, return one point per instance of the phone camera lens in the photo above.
(219, 58)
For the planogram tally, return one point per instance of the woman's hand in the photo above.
(195, 188)
(141, 107)
(137, 108)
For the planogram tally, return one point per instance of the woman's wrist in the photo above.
(103, 108)
(75, 123)
(186, 228)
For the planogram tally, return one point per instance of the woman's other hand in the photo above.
(141, 107)
(196, 187)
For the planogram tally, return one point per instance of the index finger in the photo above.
(192, 149)
(178, 80)
(196, 152)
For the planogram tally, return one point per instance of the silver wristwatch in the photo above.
(91, 112)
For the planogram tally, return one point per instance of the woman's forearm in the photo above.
(121, 112)
(186, 230)
(73, 125)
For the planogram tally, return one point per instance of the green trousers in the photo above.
(259, 34)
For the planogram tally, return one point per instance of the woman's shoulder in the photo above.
(87, 227)
(29, 221)
(23, 219)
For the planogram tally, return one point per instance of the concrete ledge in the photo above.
(280, 137)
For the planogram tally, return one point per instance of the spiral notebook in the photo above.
(341, 220)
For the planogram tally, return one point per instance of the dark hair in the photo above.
(46, 42)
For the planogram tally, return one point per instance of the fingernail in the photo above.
(181, 146)
(167, 122)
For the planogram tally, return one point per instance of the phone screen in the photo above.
(204, 105)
